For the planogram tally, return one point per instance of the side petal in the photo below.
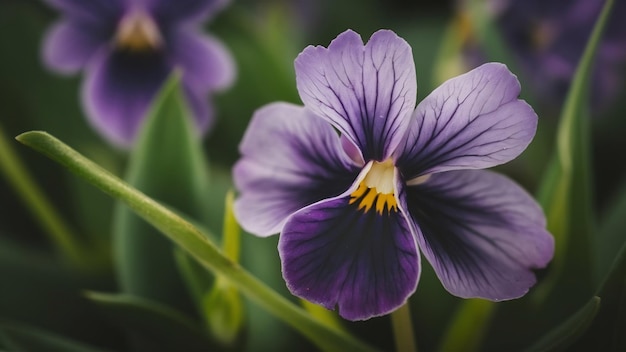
(102, 12)
(118, 89)
(473, 121)
(201, 108)
(481, 232)
(168, 12)
(290, 159)
(365, 264)
(367, 91)
(206, 64)
(68, 45)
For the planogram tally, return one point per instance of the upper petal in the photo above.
(205, 62)
(482, 233)
(172, 12)
(69, 44)
(118, 89)
(363, 263)
(367, 91)
(102, 12)
(473, 121)
(290, 159)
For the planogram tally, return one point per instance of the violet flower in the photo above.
(127, 48)
(548, 38)
(355, 211)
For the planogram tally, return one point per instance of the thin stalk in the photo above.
(58, 231)
(403, 329)
(193, 242)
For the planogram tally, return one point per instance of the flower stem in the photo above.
(190, 239)
(403, 329)
(59, 233)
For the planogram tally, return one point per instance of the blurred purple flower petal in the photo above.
(118, 89)
(547, 39)
(127, 49)
(70, 45)
(173, 12)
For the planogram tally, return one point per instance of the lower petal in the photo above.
(118, 90)
(482, 233)
(364, 263)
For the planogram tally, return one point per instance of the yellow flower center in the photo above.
(137, 31)
(377, 189)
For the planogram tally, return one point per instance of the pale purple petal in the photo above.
(363, 263)
(172, 12)
(68, 45)
(201, 108)
(473, 121)
(367, 91)
(118, 90)
(206, 64)
(290, 159)
(94, 12)
(482, 233)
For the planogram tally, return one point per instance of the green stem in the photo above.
(192, 241)
(469, 326)
(60, 234)
(403, 329)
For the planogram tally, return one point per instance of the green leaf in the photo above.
(468, 327)
(611, 234)
(67, 243)
(607, 331)
(193, 242)
(22, 338)
(222, 305)
(168, 164)
(566, 193)
(325, 316)
(224, 312)
(568, 332)
(33, 278)
(196, 278)
(161, 327)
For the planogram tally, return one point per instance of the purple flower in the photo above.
(127, 48)
(548, 38)
(354, 208)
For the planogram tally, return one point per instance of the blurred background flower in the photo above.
(127, 48)
(547, 39)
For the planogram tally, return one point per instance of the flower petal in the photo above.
(482, 233)
(367, 91)
(93, 11)
(364, 263)
(118, 90)
(473, 121)
(168, 12)
(290, 159)
(202, 109)
(205, 62)
(69, 45)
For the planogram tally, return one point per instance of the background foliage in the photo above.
(142, 294)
